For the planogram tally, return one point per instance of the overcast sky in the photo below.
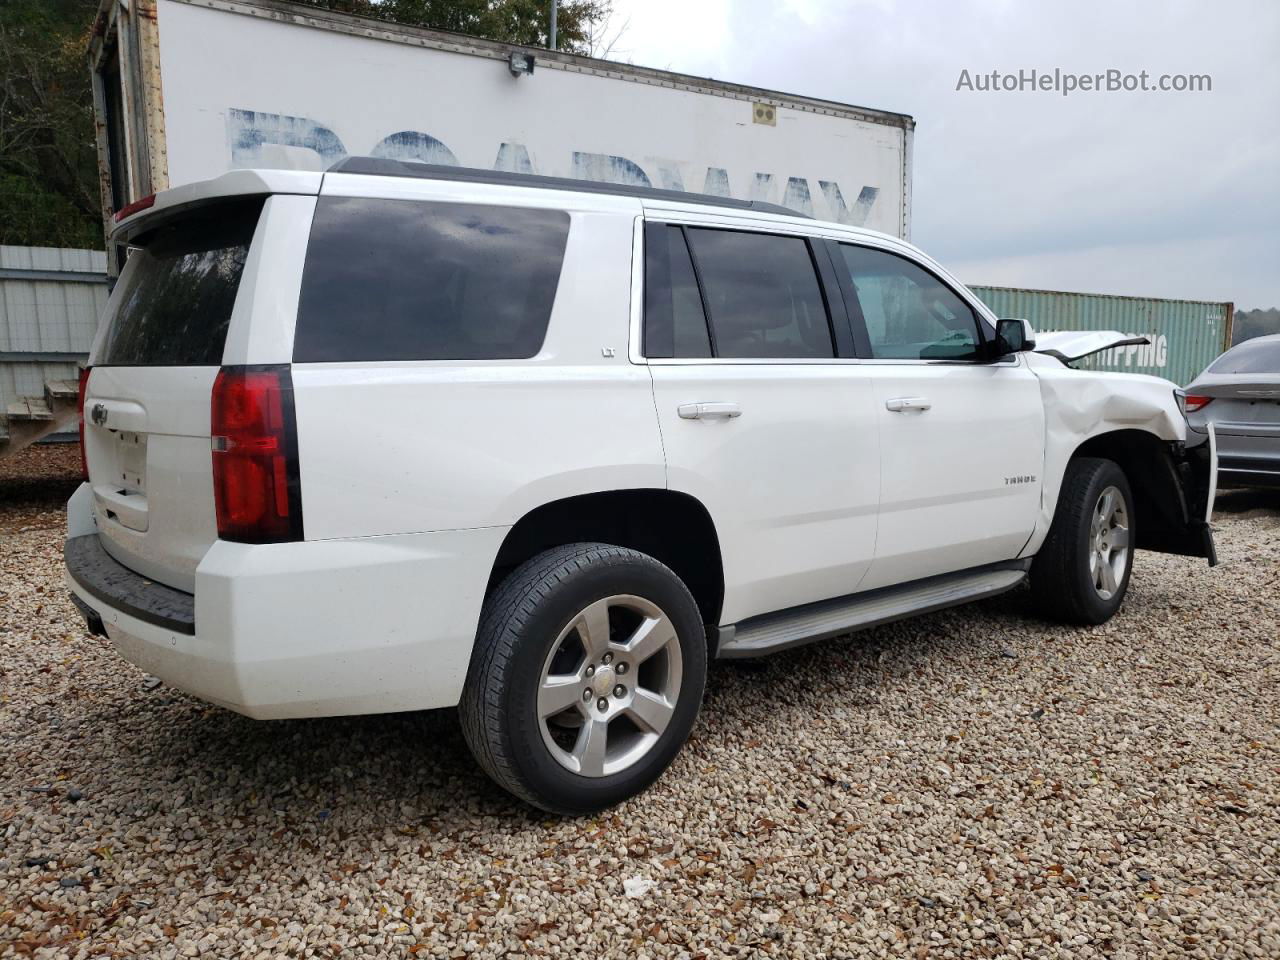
(1154, 194)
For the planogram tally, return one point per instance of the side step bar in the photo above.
(771, 632)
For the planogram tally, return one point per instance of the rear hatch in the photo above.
(147, 400)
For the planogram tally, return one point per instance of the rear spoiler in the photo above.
(1071, 345)
(141, 214)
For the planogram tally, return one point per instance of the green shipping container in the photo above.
(1185, 335)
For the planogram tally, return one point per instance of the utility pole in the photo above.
(552, 44)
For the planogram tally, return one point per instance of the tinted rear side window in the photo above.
(412, 280)
(762, 294)
(174, 300)
(1249, 358)
(675, 325)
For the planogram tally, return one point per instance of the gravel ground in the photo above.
(35, 485)
(969, 784)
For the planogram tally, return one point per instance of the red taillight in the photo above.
(255, 462)
(84, 384)
(128, 210)
(1194, 401)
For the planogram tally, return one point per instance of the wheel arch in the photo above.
(1154, 468)
(673, 528)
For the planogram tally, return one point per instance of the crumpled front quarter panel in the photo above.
(1082, 404)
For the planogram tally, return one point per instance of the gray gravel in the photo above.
(970, 784)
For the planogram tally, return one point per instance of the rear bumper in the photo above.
(104, 578)
(319, 628)
(1246, 459)
(1249, 472)
(1249, 460)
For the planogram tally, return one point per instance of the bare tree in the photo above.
(602, 35)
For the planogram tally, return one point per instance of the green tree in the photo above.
(579, 23)
(1255, 323)
(49, 191)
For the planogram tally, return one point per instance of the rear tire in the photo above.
(586, 677)
(1081, 574)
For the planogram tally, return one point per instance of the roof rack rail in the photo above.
(385, 167)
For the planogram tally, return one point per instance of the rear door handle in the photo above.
(904, 404)
(708, 411)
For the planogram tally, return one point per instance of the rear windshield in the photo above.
(175, 295)
(414, 280)
(1249, 357)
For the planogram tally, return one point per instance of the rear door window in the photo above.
(762, 295)
(909, 313)
(675, 324)
(416, 280)
(175, 297)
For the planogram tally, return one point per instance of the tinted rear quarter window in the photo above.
(762, 295)
(417, 280)
(174, 301)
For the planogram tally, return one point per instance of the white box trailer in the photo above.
(185, 90)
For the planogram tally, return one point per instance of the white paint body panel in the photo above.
(368, 625)
(414, 456)
(412, 473)
(430, 445)
(172, 479)
(791, 484)
(1080, 404)
(960, 482)
(303, 92)
(233, 183)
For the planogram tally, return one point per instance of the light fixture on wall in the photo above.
(520, 63)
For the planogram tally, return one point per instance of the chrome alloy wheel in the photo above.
(1109, 548)
(609, 685)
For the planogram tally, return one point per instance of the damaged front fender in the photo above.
(1134, 420)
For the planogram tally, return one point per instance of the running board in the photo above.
(771, 632)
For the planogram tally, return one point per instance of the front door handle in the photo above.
(708, 411)
(904, 404)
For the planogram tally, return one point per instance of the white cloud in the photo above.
(1194, 268)
(1161, 194)
(688, 37)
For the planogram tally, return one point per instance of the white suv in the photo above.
(396, 437)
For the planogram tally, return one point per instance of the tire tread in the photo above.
(502, 627)
(1055, 567)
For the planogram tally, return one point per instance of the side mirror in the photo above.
(1013, 336)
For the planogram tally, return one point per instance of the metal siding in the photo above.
(1186, 334)
(43, 316)
(28, 379)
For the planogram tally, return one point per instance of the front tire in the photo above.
(586, 677)
(1081, 574)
